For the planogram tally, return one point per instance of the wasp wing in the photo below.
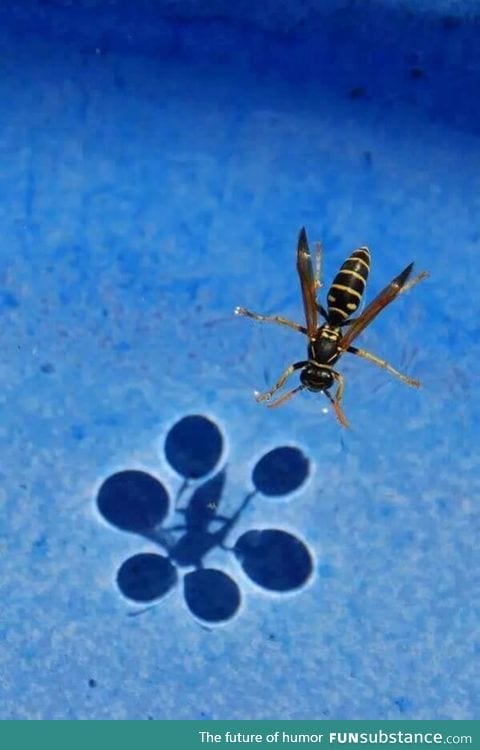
(384, 298)
(307, 283)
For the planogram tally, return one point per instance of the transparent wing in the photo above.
(307, 283)
(375, 307)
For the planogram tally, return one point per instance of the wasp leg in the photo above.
(286, 397)
(281, 381)
(348, 322)
(336, 401)
(322, 311)
(382, 363)
(270, 319)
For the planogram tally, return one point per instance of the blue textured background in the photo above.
(156, 163)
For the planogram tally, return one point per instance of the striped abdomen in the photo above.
(346, 292)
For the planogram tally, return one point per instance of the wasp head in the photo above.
(316, 378)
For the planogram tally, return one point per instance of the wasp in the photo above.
(330, 340)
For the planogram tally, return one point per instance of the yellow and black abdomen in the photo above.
(348, 286)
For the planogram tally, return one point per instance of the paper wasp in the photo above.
(327, 342)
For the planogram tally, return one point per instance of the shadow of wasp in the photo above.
(135, 501)
(330, 340)
(197, 537)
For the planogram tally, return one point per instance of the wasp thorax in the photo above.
(324, 348)
(316, 378)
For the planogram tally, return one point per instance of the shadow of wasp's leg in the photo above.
(270, 319)
(337, 400)
(384, 364)
(280, 382)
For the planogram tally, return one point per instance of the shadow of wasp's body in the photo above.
(188, 543)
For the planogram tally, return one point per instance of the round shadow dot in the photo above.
(274, 559)
(211, 595)
(146, 576)
(281, 471)
(133, 501)
(193, 446)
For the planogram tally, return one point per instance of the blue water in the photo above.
(169, 548)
